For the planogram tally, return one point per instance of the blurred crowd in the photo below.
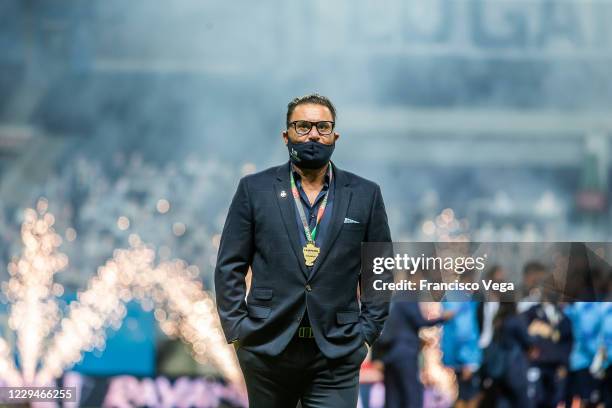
(536, 351)
(98, 207)
(179, 206)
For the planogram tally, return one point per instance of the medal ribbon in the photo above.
(310, 236)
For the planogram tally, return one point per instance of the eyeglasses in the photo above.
(303, 127)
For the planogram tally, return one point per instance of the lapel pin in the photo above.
(283, 194)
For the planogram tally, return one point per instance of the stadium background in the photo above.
(483, 119)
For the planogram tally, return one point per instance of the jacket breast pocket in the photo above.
(353, 232)
(353, 227)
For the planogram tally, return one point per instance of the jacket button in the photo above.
(308, 288)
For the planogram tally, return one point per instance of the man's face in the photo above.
(499, 275)
(533, 278)
(312, 113)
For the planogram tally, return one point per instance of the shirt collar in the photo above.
(298, 178)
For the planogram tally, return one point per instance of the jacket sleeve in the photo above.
(416, 319)
(233, 261)
(521, 332)
(375, 307)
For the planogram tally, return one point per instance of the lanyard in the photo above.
(310, 236)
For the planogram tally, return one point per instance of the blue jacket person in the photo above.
(301, 332)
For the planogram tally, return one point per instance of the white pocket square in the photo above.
(350, 221)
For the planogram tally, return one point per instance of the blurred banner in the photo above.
(129, 391)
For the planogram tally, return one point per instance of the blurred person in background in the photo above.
(301, 334)
(551, 331)
(488, 305)
(586, 319)
(534, 274)
(507, 359)
(397, 351)
(605, 351)
(459, 344)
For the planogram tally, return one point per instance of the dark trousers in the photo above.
(550, 388)
(403, 387)
(301, 373)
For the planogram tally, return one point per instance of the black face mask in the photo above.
(310, 155)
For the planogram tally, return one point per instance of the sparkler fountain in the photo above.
(48, 344)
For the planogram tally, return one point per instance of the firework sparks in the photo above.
(100, 306)
(7, 367)
(34, 311)
(182, 307)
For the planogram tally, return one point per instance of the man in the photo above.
(551, 331)
(301, 334)
(534, 274)
(401, 346)
(586, 321)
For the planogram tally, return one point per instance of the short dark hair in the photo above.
(313, 98)
(533, 267)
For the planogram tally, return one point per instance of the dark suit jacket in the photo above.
(261, 232)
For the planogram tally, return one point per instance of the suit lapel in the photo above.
(342, 198)
(287, 210)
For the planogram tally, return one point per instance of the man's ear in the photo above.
(285, 136)
(336, 136)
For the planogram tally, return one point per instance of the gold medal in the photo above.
(311, 252)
